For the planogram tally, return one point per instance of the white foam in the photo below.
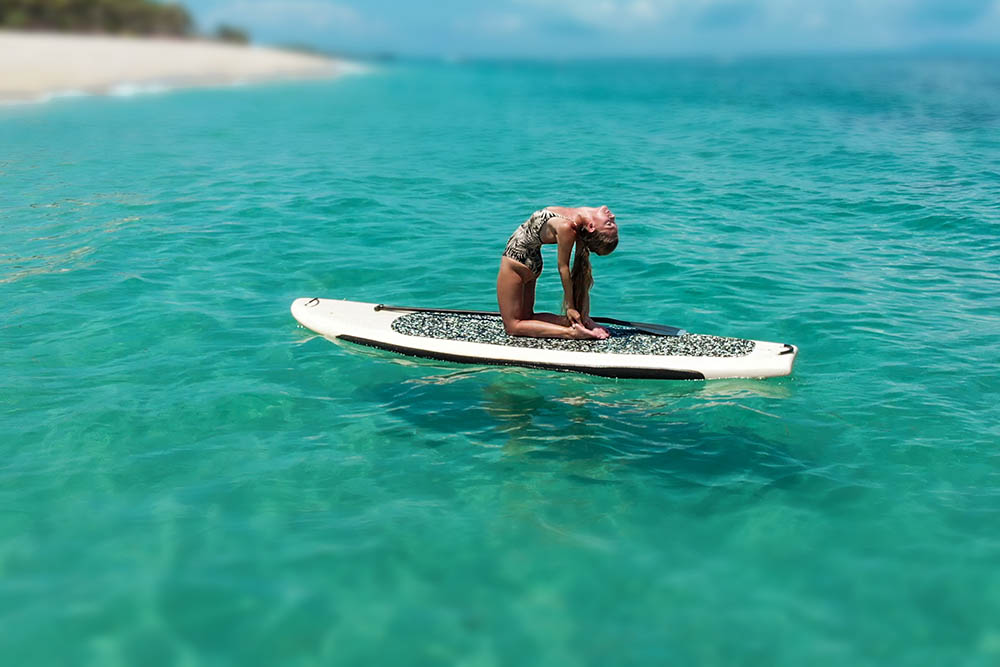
(129, 89)
(133, 89)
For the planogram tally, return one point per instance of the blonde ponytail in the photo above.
(580, 275)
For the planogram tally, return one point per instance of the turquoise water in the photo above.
(188, 477)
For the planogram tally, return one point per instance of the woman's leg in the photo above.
(516, 298)
(528, 308)
(528, 300)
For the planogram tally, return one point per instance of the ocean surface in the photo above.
(187, 477)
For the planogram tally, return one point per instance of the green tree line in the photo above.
(130, 17)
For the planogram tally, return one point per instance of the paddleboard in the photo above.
(473, 337)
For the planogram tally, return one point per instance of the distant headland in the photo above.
(113, 17)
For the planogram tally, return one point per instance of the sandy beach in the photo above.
(35, 66)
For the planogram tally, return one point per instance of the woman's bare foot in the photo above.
(580, 332)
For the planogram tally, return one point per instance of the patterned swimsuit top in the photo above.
(525, 244)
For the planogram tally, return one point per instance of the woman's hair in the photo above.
(602, 243)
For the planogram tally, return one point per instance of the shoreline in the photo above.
(35, 67)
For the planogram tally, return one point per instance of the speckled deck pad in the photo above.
(623, 340)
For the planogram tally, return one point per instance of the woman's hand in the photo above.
(574, 316)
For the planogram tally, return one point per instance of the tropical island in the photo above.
(54, 47)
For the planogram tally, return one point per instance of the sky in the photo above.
(608, 28)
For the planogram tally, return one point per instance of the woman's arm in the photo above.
(566, 238)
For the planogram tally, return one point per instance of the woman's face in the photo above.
(602, 221)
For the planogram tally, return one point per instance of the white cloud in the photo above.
(495, 23)
(623, 14)
(615, 15)
(644, 10)
(815, 20)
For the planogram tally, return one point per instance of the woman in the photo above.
(590, 230)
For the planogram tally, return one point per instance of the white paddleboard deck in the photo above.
(480, 339)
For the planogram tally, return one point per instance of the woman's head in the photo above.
(598, 230)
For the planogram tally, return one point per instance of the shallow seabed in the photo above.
(188, 477)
